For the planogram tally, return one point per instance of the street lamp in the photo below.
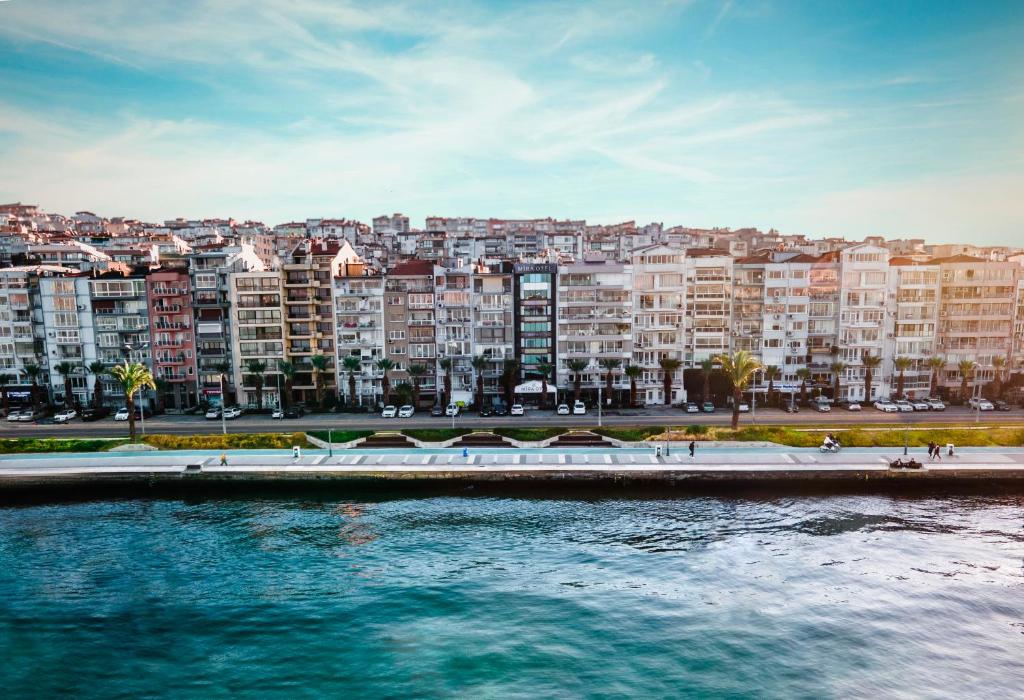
(223, 405)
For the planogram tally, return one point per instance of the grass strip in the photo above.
(27, 445)
(231, 441)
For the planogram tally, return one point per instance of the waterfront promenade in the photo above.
(720, 464)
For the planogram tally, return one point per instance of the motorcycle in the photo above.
(831, 448)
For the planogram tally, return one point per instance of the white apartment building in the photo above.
(69, 332)
(708, 304)
(863, 320)
(913, 313)
(359, 325)
(258, 321)
(659, 319)
(493, 327)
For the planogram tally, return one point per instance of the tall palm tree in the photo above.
(4, 381)
(669, 365)
(97, 369)
(966, 369)
(871, 363)
(804, 374)
(739, 367)
(287, 370)
(403, 393)
(706, 367)
(479, 365)
(772, 371)
(935, 364)
(609, 365)
(577, 367)
(416, 373)
(634, 372)
(902, 364)
(32, 371)
(385, 365)
(133, 377)
(255, 368)
(353, 364)
(320, 364)
(509, 375)
(998, 363)
(66, 370)
(446, 364)
(544, 369)
(837, 372)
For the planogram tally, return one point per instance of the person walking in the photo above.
(223, 459)
(693, 448)
(931, 450)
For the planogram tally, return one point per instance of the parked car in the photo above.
(232, 412)
(94, 414)
(744, 407)
(64, 416)
(691, 407)
(436, 410)
(707, 407)
(562, 410)
(579, 408)
(452, 410)
(389, 412)
(920, 405)
(13, 416)
(406, 411)
(499, 410)
(1001, 405)
(294, 412)
(981, 404)
(518, 410)
(821, 405)
(28, 415)
(277, 413)
(122, 414)
(853, 406)
(886, 406)
(904, 406)
(936, 404)
(486, 412)
(792, 408)
(212, 414)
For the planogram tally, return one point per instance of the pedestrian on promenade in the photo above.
(931, 450)
(223, 459)
(693, 448)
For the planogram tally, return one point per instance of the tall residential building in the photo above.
(913, 307)
(708, 304)
(359, 327)
(257, 317)
(493, 321)
(863, 322)
(22, 333)
(409, 321)
(172, 337)
(453, 325)
(659, 319)
(535, 298)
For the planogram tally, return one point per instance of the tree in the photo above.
(403, 392)
(320, 364)
(479, 365)
(4, 381)
(609, 365)
(287, 370)
(634, 372)
(255, 368)
(966, 369)
(998, 363)
(162, 385)
(739, 368)
(353, 364)
(935, 364)
(66, 370)
(133, 377)
(772, 371)
(804, 374)
(416, 373)
(871, 363)
(509, 375)
(32, 371)
(544, 369)
(902, 364)
(446, 364)
(97, 369)
(706, 367)
(385, 365)
(577, 367)
(669, 365)
(224, 370)
(837, 374)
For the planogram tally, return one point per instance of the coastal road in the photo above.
(192, 425)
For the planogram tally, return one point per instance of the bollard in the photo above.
(465, 452)
(657, 451)
(296, 452)
(949, 449)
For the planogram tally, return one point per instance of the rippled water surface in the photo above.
(493, 597)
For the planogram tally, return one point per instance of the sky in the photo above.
(902, 119)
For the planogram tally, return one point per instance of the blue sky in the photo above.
(825, 118)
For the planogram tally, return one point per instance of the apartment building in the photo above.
(535, 299)
(913, 307)
(453, 319)
(823, 318)
(658, 319)
(22, 334)
(256, 300)
(863, 320)
(172, 337)
(70, 335)
(409, 320)
(708, 306)
(359, 326)
(493, 322)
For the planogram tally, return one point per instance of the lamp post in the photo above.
(223, 420)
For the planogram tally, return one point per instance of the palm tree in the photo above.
(416, 372)
(66, 370)
(739, 367)
(479, 365)
(706, 367)
(255, 368)
(223, 368)
(998, 363)
(509, 374)
(669, 365)
(545, 369)
(902, 364)
(966, 369)
(133, 377)
(4, 381)
(403, 393)
(97, 369)
(837, 371)
(577, 368)
(804, 374)
(633, 372)
(609, 365)
(320, 365)
(772, 371)
(446, 364)
(935, 364)
(385, 365)
(871, 363)
(352, 365)
(32, 371)
(287, 370)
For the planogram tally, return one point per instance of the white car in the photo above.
(744, 408)
(853, 406)
(452, 410)
(406, 411)
(579, 409)
(920, 405)
(122, 414)
(278, 414)
(28, 415)
(904, 406)
(389, 412)
(14, 416)
(822, 407)
(517, 410)
(981, 404)
(232, 412)
(213, 414)
(936, 404)
(886, 406)
(64, 416)
(562, 410)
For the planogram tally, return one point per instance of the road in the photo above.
(191, 425)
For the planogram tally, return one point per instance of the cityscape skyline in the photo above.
(897, 121)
